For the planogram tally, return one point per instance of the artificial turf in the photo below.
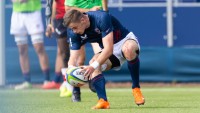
(158, 100)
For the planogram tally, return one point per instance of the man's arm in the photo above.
(53, 16)
(105, 5)
(50, 15)
(74, 55)
(107, 50)
(103, 56)
(107, 40)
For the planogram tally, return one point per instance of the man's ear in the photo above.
(82, 19)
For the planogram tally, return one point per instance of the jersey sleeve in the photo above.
(105, 24)
(70, 2)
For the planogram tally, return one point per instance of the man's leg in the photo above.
(99, 84)
(61, 62)
(130, 51)
(62, 47)
(96, 50)
(37, 41)
(22, 45)
(62, 57)
(24, 61)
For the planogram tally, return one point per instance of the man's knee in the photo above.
(61, 52)
(23, 50)
(130, 50)
(39, 48)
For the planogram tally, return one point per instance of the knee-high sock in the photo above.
(58, 77)
(46, 74)
(76, 90)
(27, 77)
(134, 67)
(99, 84)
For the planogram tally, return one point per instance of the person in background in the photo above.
(85, 6)
(27, 20)
(118, 45)
(55, 11)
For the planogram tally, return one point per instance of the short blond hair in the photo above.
(71, 16)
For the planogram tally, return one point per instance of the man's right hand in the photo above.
(49, 30)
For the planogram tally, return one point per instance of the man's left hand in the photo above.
(88, 70)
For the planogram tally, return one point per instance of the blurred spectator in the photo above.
(26, 20)
(55, 11)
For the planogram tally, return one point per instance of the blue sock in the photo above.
(58, 77)
(99, 84)
(134, 67)
(27, 77)
(46, 74)
(76, 90)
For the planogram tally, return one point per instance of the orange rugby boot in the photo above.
(139, 99)
(102, 104)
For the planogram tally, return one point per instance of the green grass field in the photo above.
(158, 100)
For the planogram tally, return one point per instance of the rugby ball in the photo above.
(75, 77)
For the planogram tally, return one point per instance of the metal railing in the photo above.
(2, 44)
(169, 4)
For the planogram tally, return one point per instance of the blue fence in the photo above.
(158, 62)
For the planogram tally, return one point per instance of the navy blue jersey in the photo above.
(101, 24)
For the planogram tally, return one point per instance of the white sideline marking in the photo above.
(150, 89)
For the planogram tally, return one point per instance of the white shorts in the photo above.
(26, 23)
(117, 51)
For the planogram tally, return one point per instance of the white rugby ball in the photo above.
(75, 77)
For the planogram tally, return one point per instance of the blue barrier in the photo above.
(158, 62)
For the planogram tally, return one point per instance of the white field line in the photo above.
(114, 90)
(150, 89)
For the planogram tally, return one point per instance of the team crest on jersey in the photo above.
(97, 31)
(84, 37)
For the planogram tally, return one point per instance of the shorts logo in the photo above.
(57, 31)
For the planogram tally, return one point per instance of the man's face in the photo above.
(78, 27)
